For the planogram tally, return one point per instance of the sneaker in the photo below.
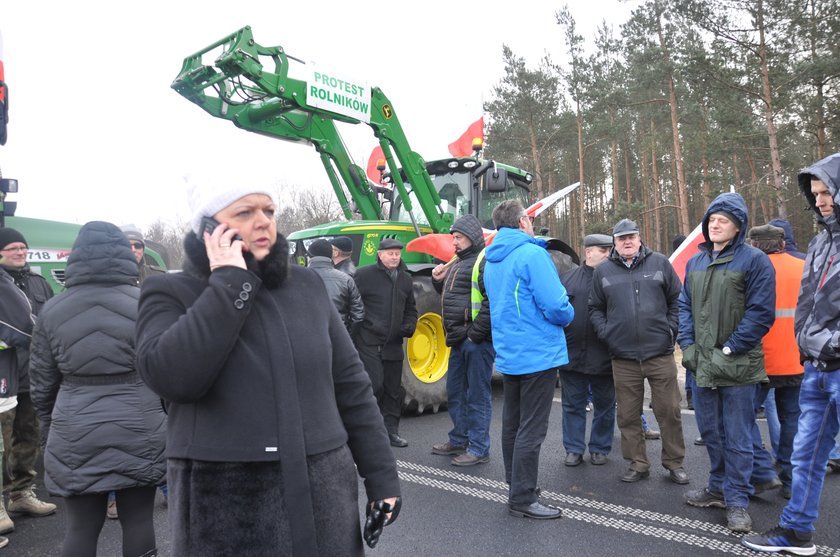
(833, 465)
(448, 449)
(111, 511)
(652, 435)
(6, 524)
(781, 539)
(738, 519)
(25, 502)
(704, 498)
(4, 541)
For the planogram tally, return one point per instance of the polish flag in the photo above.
(686, 250)
(375, 156)
(462, 147)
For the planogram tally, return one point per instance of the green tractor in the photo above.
(229, 80)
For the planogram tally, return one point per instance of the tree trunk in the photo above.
(657, 198)
(646, 216)
(767, 97)
(682, 192)
(627, 170)
(818, 85)
(581, 196)
(535, 156)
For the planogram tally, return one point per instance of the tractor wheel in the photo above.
(426, 353)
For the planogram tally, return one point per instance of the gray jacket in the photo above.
(104, 429)
(342, 290)
(816, 323)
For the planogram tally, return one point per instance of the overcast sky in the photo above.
(96, 132)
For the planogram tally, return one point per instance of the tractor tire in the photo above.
(426, 354)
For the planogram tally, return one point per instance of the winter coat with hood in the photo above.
(729, 299)
(390, 310)
(342, 290)
(104, 429)
(528, 304)
(634, 309)
(817, 322)
(456, 289)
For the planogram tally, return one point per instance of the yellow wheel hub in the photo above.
(428, 354)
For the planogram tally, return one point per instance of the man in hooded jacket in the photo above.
(727, 305)
(817, 328)
(466, 319)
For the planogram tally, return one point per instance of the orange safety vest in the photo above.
(781, 354)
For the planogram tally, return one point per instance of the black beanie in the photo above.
(10, 236)
(320, 248)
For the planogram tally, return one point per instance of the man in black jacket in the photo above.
(589, 365)
(633, 307)
(20, 426)
(390, 315)
(340, 286)
(466, 319)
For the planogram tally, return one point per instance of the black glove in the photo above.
(377, 519)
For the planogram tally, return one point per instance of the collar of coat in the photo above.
(272, 270)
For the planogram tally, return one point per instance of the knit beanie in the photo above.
(320, 248)
(10, 236)
(208, 199)
(132, 232)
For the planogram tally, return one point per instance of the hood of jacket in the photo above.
(790, 243)
(733, 204)
(506, 241)
(470, 227)
(101, 254)
(827, 170)
(272, 270)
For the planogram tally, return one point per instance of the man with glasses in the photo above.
(528, 309)
(20, 426)
(138, 248)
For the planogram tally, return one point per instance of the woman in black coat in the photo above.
(104, 429)
(269, 406)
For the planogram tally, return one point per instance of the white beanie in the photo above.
(208, 199)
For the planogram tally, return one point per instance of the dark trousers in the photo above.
(386, 380)
(86, 514)
(575, 393)
(527, 405)
(21, 439)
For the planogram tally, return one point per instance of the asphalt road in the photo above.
(462, 511)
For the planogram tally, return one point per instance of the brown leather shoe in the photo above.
(448, 449)
(468, 459)
(632, 476)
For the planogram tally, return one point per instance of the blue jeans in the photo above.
(782, 409)
(470, 397)
(726, 420)
(819, 397)
(576, 387)
(763, 469)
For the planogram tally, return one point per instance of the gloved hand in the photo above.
(378, 517)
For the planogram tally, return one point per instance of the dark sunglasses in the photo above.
(137, 245)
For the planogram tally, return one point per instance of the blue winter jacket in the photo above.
(528, 304)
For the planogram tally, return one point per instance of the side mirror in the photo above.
(496, 180)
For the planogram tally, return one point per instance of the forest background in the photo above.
(689, 98)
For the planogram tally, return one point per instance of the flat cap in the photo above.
(390, 243)
(599, 240)
(343, 243)
(625, 227)
(766, 232)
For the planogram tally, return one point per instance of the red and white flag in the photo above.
(686, 250)
(462, 147)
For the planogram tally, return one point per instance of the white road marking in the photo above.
(686, 531)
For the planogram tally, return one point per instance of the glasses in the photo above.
(17, 249)
(137, 245)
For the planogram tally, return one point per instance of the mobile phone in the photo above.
(209, 224)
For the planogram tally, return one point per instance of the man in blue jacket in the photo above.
(726, 307)
(633, 307)
(528, 309)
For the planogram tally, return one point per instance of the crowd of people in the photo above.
(249, 384)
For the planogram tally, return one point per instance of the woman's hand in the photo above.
(222, 249)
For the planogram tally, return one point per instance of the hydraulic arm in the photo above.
(237, 87)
